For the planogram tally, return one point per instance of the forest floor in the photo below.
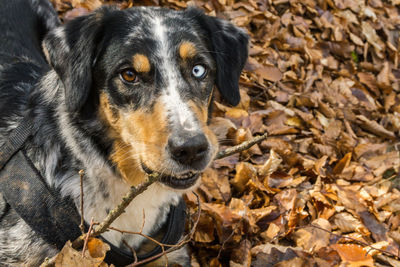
(323, 189)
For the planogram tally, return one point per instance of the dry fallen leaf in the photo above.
(311, 238)
(68, 256)
(322, 79)
(353, 255)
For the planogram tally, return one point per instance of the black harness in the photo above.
(55, 219)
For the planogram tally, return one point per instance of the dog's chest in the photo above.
(146, 213)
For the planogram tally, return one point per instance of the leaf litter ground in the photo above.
(322, 80)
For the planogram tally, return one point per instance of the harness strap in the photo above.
(54, 218)
(15, 141)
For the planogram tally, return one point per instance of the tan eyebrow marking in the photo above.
(141, 63)
(187, 50)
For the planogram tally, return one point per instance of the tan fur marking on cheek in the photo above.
(141, 63)
(150, 129)
(122, 153)
(187, 50)
(109, 114)
(127, 166)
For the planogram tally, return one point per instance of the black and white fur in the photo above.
(86, 57)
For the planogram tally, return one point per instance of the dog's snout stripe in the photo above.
(177, 109)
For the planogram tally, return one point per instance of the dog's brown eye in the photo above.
(128, 75)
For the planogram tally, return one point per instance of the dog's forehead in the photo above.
(146, 23)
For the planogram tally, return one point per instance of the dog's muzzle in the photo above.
(183, 181)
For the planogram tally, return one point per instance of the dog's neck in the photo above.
(103, 187)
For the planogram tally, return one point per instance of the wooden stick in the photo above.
(239, 148)
(117, 211)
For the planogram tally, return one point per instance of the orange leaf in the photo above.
(269, 73)
(97, 248)
(354, 254)
(343, 163)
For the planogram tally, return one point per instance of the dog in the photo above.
(119, 94)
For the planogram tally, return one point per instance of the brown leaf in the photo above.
(269, 73)
(312, 239)
(241, 256)
(221, 213)
(383, 78)
(221, 126)
(215, 263)
(370, 33)
(215, 186)
(71, 257)
(205, 229)
(244, 100)
(341, 164)
(377, 229)
(354, 255)
(236, 115)
(347, 223)
(271, 254)
(287, 199)
(368, 150)
(271, 165)
(380, 163)
(244, 172)
(272, 231)
(90, 4)
(369, 80)
(374, 127)
(97, 248)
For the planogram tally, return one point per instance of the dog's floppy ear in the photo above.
(71, 51)
(229, 49)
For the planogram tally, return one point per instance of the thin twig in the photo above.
(87, 237)
(186, 239)
(132, 250)
(82, 225)
(229, 237)
(239, 148)
(117, 211)
(233, 230)
(126, 200)
(154, 240)
(138, 233)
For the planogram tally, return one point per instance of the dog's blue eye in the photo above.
(199, 71)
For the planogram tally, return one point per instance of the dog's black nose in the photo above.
(188, 151)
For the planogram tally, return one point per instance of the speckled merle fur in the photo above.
(86, 57)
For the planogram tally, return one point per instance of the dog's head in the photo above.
(152, 73)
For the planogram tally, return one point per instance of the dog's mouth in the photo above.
(182, 181)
